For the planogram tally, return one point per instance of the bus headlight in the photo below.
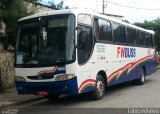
(20, 79)
(64, 77)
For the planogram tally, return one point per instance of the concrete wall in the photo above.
(7, 72)
(35, 8)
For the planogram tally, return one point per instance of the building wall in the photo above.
(37, 8)
(7, 72)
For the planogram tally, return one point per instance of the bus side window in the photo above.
(131, 36)
(153, 43)
(96, 29)
(105, 33)
(148, 40)
(119, 33)
(85, 44)
(141, 38)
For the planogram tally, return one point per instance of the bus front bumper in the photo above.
(69, 87)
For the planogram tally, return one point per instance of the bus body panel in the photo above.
(42, 81)
(118, 66)
(48, 88)
(120, 63)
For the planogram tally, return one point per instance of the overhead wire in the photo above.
(138, 8)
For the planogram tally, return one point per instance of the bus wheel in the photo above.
(141, 80)
(99, 92)
(52, 97)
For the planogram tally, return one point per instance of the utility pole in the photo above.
(103, 6)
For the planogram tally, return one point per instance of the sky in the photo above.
(130, 14)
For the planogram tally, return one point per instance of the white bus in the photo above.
(76, 51)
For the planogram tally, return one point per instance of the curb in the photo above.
(23, 102)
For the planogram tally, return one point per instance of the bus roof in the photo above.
(78, 11)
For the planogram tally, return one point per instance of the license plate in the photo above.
(42, 93)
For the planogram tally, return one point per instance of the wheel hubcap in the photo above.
(142, 78)
(100, 87)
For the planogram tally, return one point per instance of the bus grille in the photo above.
(40, 77)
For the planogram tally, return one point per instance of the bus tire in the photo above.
(99, 91)
(141, 80)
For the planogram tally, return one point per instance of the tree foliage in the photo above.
(155, 26)
(12, 10)
(58, 6)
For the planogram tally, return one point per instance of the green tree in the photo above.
(10, 12)
(58, 6)
(155, 26)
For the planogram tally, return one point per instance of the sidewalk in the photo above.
(10, 97)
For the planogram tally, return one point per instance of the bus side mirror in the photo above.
(5, 41)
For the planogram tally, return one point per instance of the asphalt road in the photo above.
(117, 99)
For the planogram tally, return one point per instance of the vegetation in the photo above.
(12, 10)
(155, 26)
(59, 6)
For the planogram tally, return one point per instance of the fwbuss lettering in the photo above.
(123, 52)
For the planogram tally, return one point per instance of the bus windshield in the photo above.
(45, 41)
